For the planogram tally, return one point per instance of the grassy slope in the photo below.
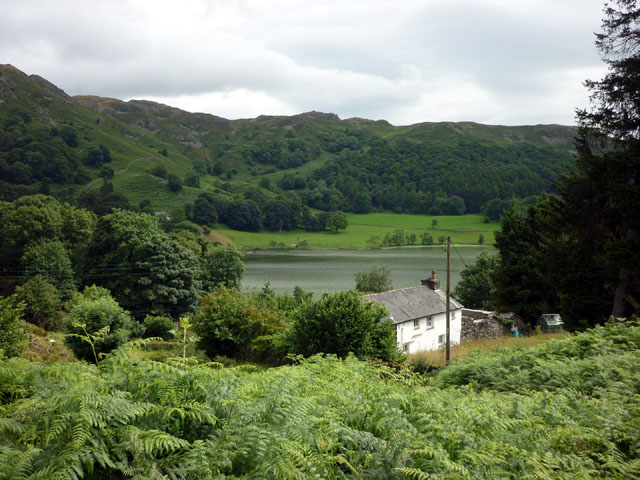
(134, 151)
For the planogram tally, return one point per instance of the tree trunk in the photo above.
(626, 298)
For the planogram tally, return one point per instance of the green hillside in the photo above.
(53, 143)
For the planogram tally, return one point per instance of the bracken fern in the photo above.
(565, 410)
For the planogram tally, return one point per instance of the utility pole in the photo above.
(448, 299)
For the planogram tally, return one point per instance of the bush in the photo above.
(159, 327)
(228, 322)
(94, 292)
(420, 364)
(341, 323)
(12, 335)
(102, 317)
(159, 171)
(174, 183)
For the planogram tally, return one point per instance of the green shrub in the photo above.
(420, 364)
(341, 323)
(12, 335)
(102, 317)
(159, 327)
(228, 322)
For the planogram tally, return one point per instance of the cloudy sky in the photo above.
(507, 62)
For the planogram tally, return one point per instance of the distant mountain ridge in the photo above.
(49, 140)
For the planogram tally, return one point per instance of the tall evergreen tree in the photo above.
(579, 252)
(603, 194)
(521, 278)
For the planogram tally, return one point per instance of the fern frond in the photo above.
(11, 426)
(17, 464)
(153, 442)
(81, 433)
(413, 473)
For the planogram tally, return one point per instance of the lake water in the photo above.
(333, 270)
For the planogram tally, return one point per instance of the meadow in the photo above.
(464, 229)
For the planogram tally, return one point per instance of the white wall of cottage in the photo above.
(425, 336)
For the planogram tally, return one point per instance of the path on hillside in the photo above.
(119, 172)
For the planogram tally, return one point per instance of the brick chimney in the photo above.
(433, 283)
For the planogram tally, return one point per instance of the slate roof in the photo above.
(414, 302)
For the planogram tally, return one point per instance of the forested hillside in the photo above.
(161, 158)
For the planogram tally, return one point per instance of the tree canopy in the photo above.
(222, 266)
(475, 289)
(604, 191)
(143, 268)
(377, 279)
(578, 252)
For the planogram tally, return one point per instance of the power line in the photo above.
(466, 267)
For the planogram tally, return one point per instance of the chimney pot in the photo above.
(433, 283)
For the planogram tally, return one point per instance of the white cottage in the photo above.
(419, 315)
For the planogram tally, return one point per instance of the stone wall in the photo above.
(477, 324)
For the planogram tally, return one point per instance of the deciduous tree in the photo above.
(42, 303)
(377, 279)
(222, 267)
(143, 268)
(49, 259)
(337, 221)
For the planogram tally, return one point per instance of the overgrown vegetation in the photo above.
(12, 334)
(567, 410)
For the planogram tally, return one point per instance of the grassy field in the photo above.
(462, 229)
(436, 358)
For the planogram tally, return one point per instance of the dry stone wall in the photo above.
(478, 324)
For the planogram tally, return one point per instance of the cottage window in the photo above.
(416, 323)
(429, 322)
(441, 339)
(405, 347)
